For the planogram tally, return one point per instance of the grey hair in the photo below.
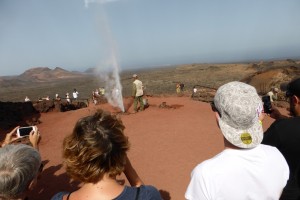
(19, 165)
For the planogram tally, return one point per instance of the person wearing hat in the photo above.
(245, 169)
(137, 93)
(284, 134)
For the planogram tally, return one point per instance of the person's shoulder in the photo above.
(208, 166)
(59, 196)
(150, 191)
(267, 148)
(287, 121)
(291, 119)
(271, 151)
(148, 188)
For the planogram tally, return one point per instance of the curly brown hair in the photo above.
(96, 147)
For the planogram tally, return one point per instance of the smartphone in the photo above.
(25, 131)
(267, 104)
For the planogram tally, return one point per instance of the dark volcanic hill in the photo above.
(39, 75)
(44, 74)
(90, 70)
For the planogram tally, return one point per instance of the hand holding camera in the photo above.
(25, 131)
(34, 137)
(10, 137)
(19, 133)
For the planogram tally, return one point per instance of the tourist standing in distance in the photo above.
(68, 98)
(137, 93)
(194, 91)
(75, 94)
(27, 99)
(245, 169)
(284, 134)
(178, 88)
(273, 94)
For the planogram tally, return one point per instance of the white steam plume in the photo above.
(113, 87)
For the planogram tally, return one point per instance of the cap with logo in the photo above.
(239, 107)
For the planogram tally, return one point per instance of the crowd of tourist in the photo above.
(98, 93)
(57, 97)
(253, 165)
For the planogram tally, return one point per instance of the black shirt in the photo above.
(285, 135)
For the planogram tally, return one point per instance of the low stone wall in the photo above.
(28, 113)
(17, 113)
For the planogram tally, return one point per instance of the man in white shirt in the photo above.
(137, 93)
(75, 94)
(245, 169)
(273, 94)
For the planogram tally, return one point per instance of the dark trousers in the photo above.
(135, 103)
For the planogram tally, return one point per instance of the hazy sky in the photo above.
(78, 34)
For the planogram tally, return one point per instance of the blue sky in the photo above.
(78, 34)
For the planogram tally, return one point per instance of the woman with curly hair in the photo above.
(94, 154)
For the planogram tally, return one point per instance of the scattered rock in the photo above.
(205, 94)
(44, 106)
(164, 105)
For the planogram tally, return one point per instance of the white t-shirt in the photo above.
(75, 94)
(139, 88)
(273, 96)
(237, 174)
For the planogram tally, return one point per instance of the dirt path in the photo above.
(166, 144)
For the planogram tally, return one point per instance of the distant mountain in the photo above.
(45, 74)
(90, 70)
(38, 75)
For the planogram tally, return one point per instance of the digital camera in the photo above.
(25, 131)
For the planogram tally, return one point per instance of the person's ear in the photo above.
(295, 99)
(217, 118)
(217, 115)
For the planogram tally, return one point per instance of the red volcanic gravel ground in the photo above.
(166, 144)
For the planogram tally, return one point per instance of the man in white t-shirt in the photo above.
(245, 169)
(273, 94)
(137, 93)
(75, 94)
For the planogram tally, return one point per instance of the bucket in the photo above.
(145, 101)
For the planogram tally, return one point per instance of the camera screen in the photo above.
(267, 104)
(25, 131)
